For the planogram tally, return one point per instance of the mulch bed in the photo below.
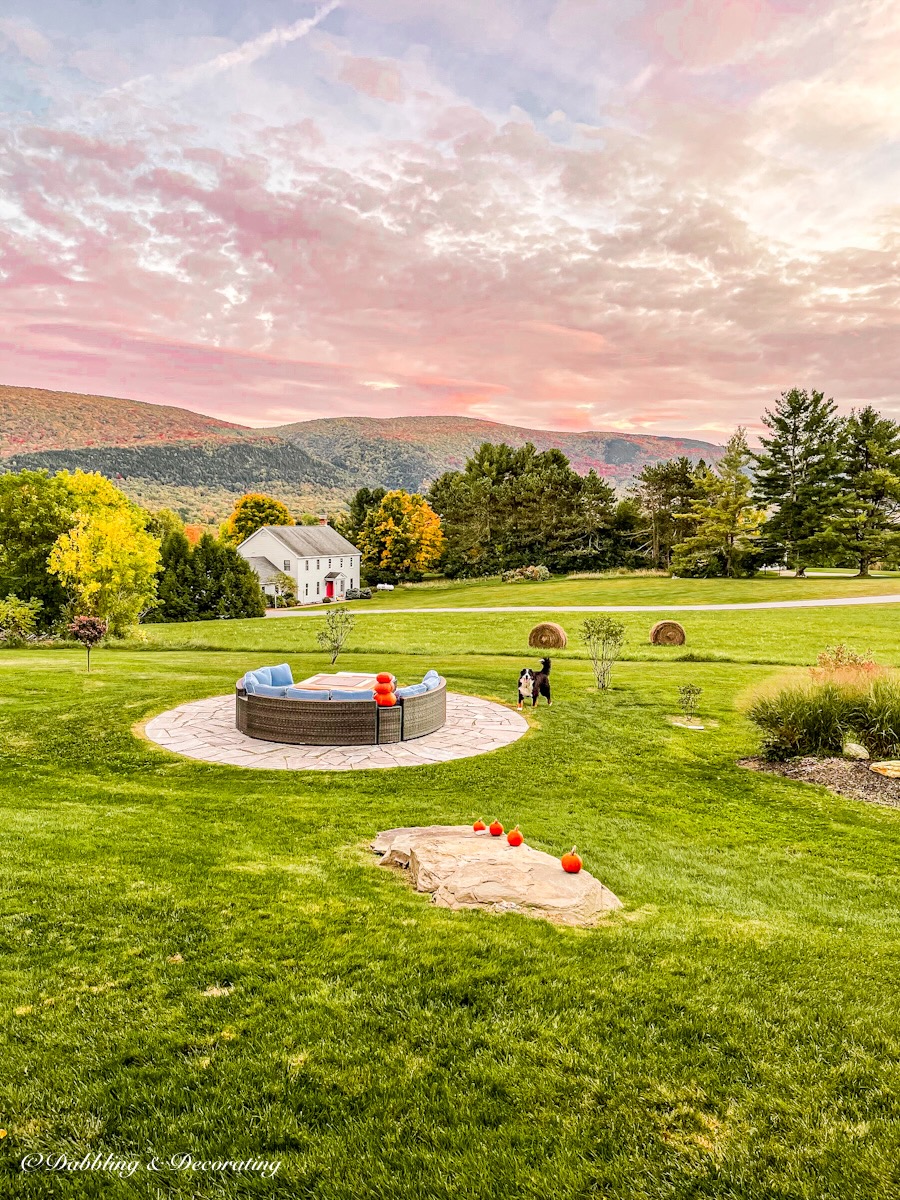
(841, 775)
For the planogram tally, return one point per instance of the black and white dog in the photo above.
(535, 683)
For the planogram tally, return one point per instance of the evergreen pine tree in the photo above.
(870, 453)
(175, 581)
(727, 524)
(241, 594)
(798, 473)
(207, 577)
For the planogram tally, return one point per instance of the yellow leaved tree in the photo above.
(107, 560)
(401, 538)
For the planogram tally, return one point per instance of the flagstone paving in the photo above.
(205, 730)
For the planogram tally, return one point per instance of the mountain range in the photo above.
(163, 455)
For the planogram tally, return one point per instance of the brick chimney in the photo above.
(323, 520)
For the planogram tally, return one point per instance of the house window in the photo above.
(351, 583)
(329, 564)
(318, 587)
(306, 563)
(342, 563)
(318, 564)
(287, 564)
(306, 590)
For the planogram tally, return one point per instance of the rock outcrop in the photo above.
(464, 869)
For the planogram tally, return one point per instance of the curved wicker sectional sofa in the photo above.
(339, 722)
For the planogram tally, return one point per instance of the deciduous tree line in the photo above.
(72, 544)
(820, 490)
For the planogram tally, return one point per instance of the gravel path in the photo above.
(835, 602)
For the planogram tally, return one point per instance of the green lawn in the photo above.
(760, 636)
(627, 589)
(734, 1033)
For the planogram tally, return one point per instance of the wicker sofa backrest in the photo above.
(426, 713)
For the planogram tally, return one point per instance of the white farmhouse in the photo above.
(321, 562)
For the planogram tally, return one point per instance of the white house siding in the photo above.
(334, 556)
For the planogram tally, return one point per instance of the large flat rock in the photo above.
(464, 869)
(395, 844)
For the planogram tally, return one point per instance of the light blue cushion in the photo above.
(273, 693)
(261, 675)
(297, 693)
(281, 675)
(431, 683)
(412, 689)
(248, 683)
(428, 674)
(338, 694)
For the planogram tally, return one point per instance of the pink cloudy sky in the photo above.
(635, 214)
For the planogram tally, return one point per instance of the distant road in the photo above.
(838, 602)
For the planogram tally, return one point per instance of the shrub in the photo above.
(604, 638)
(840, 659)
(526, 575)
(18, 620)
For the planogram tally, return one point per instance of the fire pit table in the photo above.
(336, 709)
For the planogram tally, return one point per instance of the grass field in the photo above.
(204, 959)
(628, 589)
(761, 636)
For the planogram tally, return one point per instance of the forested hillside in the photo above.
(410, 452)
(165, 456)
(240, 465)
(34, 419)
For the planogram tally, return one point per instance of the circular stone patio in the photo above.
(205, 730)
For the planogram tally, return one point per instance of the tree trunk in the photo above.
(88, 658)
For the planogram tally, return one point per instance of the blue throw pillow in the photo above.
(431, 683)
(412, 689)
(298, 693)
(272, 693)
(432, 672)
(337, 694)
(248, 683)
(281, 675)
(262, 675)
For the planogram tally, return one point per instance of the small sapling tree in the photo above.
(89, 631)
(338, 624)
(688, 697)
(604, 638)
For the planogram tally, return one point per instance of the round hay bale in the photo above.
(667, 633)
(548, 636)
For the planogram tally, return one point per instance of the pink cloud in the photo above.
(377, 78)
(672, 272)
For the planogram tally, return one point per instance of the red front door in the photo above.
(329, 588)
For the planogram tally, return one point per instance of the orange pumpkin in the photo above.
(514, 837)
(495, 828)
(479, 825)
(571, 862)
(383, 689)
(385, 677)
(385, 699)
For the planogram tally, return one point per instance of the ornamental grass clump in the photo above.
(803, 718)
(877, 718)
(819, 715)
